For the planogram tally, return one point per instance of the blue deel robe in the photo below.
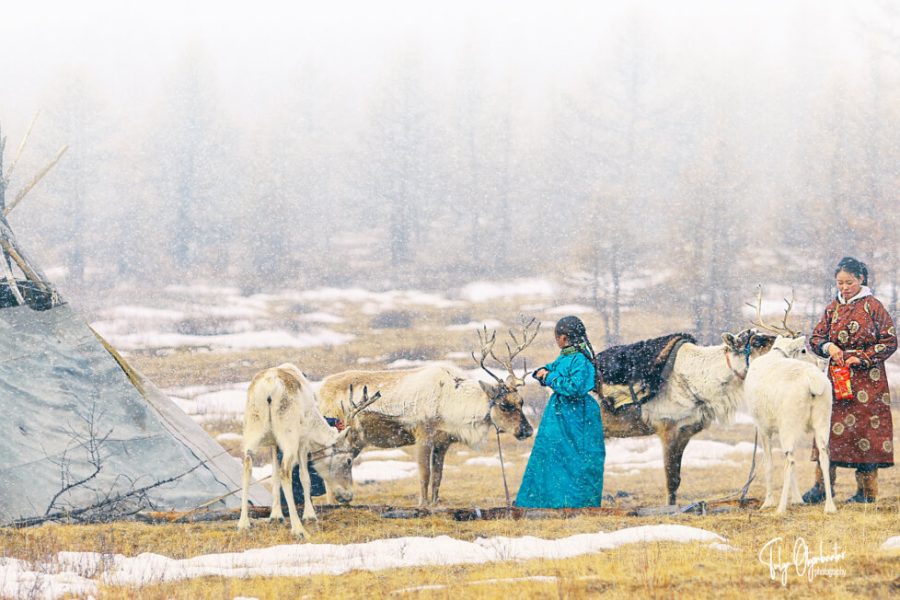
(565, 469)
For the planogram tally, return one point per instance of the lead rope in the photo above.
(752, 473)
(503, 471)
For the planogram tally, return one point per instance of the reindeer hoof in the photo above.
(300, 532)
(830, 508)
(276, 518)
(243, 524)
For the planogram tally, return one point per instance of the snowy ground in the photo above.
(79, 573)
(218, 319)
(221, 319)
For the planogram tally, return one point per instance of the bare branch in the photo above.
(106, 503)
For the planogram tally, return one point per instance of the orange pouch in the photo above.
(840, 379)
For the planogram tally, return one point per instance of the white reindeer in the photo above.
(433, 407)
(791, 396)
(282, 412)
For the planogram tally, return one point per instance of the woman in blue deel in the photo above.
(565, 469)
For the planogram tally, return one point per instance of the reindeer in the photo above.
(704, 385)
(787, 393)
(282, 412)
(434, 407)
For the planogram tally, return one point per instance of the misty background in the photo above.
(648, 156)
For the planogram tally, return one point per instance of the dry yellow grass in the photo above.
(655, 570)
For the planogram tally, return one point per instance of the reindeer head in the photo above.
(794, 348)
(335, 463)
(505, 403)
(742, 347)
(353, 436)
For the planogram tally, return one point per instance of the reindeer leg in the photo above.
(825, 465)
(276, 514)
(309, 511)
(796, 496)
(786, 486)
(674, 443)
(438, 455)
(423, 457)
(766, 438)
(788, 442)
(244, 521)
(287, 476)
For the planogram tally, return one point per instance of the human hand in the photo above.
(540, 374)
(853, 360)
(837, 355)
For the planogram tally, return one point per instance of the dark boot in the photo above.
(866, 487)
(816, 494)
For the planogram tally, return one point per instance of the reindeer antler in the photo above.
(366, 401)
(487, 349)
(783, 329)
(528, 336)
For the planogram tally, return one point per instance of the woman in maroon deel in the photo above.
(858, 332)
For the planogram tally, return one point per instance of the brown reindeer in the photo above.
(705, 384)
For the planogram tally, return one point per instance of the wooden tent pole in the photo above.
(21, 147)
(34, 181)
(2, 179)
(29, 272)
(11, 280)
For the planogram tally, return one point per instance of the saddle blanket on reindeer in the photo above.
(634, 373)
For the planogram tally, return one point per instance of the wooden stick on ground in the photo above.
(214, 500)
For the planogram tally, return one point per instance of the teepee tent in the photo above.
(83, 433)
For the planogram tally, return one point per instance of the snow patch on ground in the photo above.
(321, 317)
(263, 472)
(892, 543)
(80, 573)
(635, 454)
(376, 471)
(476, 325)
(376, 302)
(405, 363)
(570, 309)
(205, 402)
(392, 454)
(227, 341)
(487, 461)
(486, 291)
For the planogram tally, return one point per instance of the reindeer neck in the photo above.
(321, 433)
(708, 367)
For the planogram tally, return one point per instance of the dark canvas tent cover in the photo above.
(56, 378)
